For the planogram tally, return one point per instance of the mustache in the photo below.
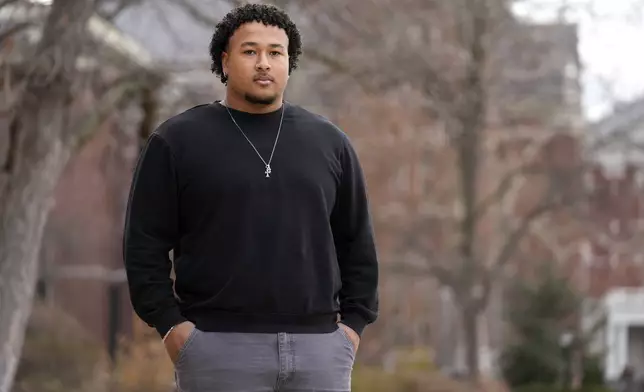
(264, 77)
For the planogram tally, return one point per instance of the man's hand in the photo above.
(353, 336)
(177, 338)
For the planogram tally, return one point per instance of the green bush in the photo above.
(595, 388)
(554, 388)
(143, 366)
(540, 311)
(524, 364)
(372, 379)
(58, 355)
(593, 374)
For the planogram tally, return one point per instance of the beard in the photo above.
(256, 100)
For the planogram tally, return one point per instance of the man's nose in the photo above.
(262, 63)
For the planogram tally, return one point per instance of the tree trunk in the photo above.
(470, 329)
(40, 145)
(23, 220)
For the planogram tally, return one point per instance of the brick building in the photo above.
(612, 260)
(613, 256)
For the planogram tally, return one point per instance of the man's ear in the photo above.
(224, 63)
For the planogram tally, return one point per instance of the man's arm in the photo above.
(150, 233)
(355, 245)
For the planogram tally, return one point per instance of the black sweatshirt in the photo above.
(284, 253)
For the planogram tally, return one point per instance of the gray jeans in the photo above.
(254, 362)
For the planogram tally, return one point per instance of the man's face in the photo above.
(256, 62)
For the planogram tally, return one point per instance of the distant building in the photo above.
(612, 257)
(535, 101)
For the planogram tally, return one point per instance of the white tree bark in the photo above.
(23, 222)
(40, 144)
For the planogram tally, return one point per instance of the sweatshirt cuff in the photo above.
(168, 320)
(354, 321)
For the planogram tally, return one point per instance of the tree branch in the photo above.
(519, 232)
(443, 275)
(86, 126)
(5, 3)
(120, 6)
(363, 78)
(199, 15)
(488, 275)
(6, 34)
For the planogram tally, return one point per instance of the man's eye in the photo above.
(249, 52)
(276, 53)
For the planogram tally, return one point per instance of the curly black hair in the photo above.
(263, 13)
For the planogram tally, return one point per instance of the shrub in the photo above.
(593, 373)
(59, 355)
(552, 388)
(143, 366)
(530, 362)
(372, 379)
(540, 312)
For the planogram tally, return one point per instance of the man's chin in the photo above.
(263, 100)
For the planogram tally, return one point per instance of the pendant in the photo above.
(268, 171)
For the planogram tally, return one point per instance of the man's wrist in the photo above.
(169, 319)
(168, 333)
(174, 328)
(354, 321)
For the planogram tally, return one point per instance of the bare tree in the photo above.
(52, 101)
(453, 59)
(501, 179)
(445, 51)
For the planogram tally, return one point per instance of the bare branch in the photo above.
(116, 94)
(198, 15)
(109, 11)
(504, 186)
(443, 275)
(8, 33)
(169, 28)
(513, 240)
(5, 3)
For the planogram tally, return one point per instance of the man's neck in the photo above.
(244, 106)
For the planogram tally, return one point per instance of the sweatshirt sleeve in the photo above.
(150, 233)
(355, 245)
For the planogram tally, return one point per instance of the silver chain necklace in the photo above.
(267, 165)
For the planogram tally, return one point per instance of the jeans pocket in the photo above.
(186, 345)
(347, 341)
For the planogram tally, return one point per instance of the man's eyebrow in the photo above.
(251, 43)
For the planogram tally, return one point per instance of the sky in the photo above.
(611, 34)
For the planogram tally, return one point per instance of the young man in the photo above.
(265, 209)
